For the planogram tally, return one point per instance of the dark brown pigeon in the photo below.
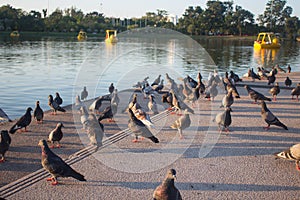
(296, 91)
(167, 190)
(56, 135)
(84, 94)
(5, 141)
(56, 166)
(38, 113)
(269, 117)
(288, 82)
(58, 99)
(54, 106)
(274, 91)
(224, 119)
(23, 122)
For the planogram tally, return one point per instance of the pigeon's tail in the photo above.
(281, 125)
(61, 109)
(154, 139)
(13, 129)
(267, 99)
(77, 176)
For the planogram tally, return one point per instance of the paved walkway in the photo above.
(209, 165)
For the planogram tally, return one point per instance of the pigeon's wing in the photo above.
(160, 193)
(295, 151)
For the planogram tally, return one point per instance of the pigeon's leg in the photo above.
(52, 146)
(180, 134)
(227, 130)
(297, 165)
(297, 98)
(58, 145)
(54, 181)
(111, 120)
(267, 127)
(50, 179)
(2, 159)
(135, 140)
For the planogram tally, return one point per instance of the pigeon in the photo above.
(159, 87)
(231, 87)
(180, 105)
(280, 69)
(84, 94)
(141, 114)
(224, 119)
(271, 78)
(167, 190)
(253, 75)
(147, 90)
(95, 130)
(187, 89)
(200, 83)
(138, 128)
(84, 117)
(293, 153)
(96, 104)
(156, 81)
(54, 106)
(235, 77)
(227, 100)
(5, 141)
(152, 106)
(114, 102)
(56, 135)
(261, 73)
(4, 116)
(288, 82)
(58, 99)
(256, 95)
(269, 117)
(296, 91)
(167, 98)
(111, 88)
(106, 114)
(212, 92)
(38, 113)
(182, 123)
(192, 83)
(274, 91)
(56, 166)
(23, 122)
(289, 69)
(78, 103)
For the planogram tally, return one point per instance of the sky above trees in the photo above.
(137, 8)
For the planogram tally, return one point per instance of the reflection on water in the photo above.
(31, 69)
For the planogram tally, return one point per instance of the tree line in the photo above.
(218, 18)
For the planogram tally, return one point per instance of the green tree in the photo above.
(241, 18)
(275, 15)
(291, 27)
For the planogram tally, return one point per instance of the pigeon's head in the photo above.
(171, 174)
(57, 94)
(29, 109)
(42, 143)
(37, 102)
(50, 97)
(60, 125)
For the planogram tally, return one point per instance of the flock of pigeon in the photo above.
(181, 99)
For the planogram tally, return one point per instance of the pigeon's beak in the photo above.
(175, 177)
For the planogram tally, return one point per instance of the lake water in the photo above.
(31, 69)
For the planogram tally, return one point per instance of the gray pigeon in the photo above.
(224, 119)
(23, 122)
(296, 91)
(167, 189)
(56, 135)
(38, 113)
(56, 166)
(138, 128)
(5, 141)
(156, 81)
(269, 117)
(182, 123)
(84, 94)
(95, 130)
(152, 106)
(84, 117)
(228, 99)
(54, 106)
(274, 91)
(58, 99)
(212, 91)
(256, 95)
(180, 105)
(96, 104)
(253, 75)
(78, 103)
(293, 153)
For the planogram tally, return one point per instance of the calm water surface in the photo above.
(33, 69)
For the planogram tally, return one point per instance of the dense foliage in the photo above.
(218, 18)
